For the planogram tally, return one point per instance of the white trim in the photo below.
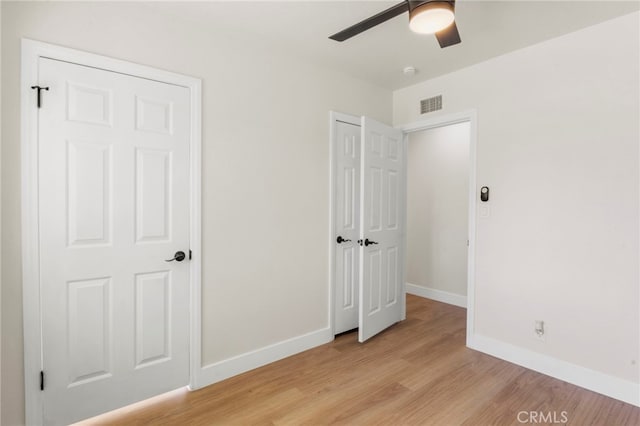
(222, 370)
(0, 227)
(473, 197)
(404, 214)
(438, 121)
(596, 381)
(30, 246)
(31, 52)
(345, 118)
(333, 161)
(470, 116)
(437, 295)
(195, 236)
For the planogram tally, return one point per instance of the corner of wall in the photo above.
(437, 295)
(219, 371)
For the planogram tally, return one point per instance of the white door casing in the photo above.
(347, 225)
(382, 201)
(114, 204)
(471, 117)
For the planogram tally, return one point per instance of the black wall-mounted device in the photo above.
(484, 193)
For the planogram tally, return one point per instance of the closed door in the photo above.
(347, 219)
(381, 300)
(114, 206)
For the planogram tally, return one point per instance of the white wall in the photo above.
(265, 170)
(438, 208)
(558, 137)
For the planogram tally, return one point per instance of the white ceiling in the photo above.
(487, 29)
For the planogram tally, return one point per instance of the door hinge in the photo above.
(189, 254)
(41, 380)
(39, 96)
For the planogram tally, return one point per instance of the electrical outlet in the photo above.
(538, 329)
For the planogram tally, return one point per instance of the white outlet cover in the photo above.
(539, 324)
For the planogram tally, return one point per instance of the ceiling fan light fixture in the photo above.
(431, 17)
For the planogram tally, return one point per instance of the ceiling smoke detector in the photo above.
(409, 71)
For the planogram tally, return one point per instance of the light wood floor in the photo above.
(418, 372)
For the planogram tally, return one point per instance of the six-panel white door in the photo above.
(347, 219)
(114, 205)
(382, 227)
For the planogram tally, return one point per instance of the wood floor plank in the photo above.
(328, 403)
(417, 372)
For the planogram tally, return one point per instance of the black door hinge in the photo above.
(39, 97)
(41, 380)
(189, 254)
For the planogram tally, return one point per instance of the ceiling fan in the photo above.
(425, 17)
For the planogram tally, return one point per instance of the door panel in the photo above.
(89, 104)
(381, 287)
(153, 195)
(153, 317)
(89, 190)
(90, 325)
(393, 276)
(114, 204)
(154, 115)
(347, 254)
(373, 277)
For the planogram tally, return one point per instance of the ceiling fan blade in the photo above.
(449, 36)
(371, 22)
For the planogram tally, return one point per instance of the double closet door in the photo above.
(369, 203)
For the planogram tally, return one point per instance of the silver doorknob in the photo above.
(178, 257)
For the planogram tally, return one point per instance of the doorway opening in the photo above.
(437, 213)
(466, 133)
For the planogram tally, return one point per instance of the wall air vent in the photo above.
(431, 104)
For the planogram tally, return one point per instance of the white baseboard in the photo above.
(439, 295)
(596, 381)
(222, 370)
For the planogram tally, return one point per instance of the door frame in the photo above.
(470, 117)
(31, 51)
